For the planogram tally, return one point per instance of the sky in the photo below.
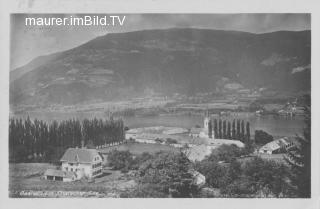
(29, 42)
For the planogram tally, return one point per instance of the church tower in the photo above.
(207, 126)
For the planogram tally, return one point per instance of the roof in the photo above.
(60, 173)
(277, 144)
(80, 155)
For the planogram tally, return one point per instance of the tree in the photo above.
(229, 130)
(226, 153)
(299, 159)
(220, 128)
(120, 160)
(169, 173)
(262, 137)
(210, 129)
(215, 173)
(215, 124)
(242, 136)
(267, 177)
(234, 129)
(238, 130)
(248, 131)
(40, 141)
(224, 127)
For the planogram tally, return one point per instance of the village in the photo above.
(91, 166)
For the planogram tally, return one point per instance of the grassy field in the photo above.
(27, 177)
(139, 148)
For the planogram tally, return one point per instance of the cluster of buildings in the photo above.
(78, 163)
(200, 141)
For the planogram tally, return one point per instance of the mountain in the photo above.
(123, 65)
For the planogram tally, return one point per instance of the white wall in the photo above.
(84, 168)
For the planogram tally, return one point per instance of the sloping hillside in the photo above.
(122, 65)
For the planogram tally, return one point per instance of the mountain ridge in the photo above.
(188, 60)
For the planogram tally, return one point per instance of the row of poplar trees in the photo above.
(236, 130)
(37, 140)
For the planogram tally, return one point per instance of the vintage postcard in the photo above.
(165, 105)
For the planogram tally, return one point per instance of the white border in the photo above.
(157, 6)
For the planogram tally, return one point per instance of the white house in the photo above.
(83, 162)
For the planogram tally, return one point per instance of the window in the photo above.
(58, 178)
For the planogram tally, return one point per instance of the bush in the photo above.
(171, 141)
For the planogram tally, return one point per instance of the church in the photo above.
(205, 132)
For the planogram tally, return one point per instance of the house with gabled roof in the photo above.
(83, 162)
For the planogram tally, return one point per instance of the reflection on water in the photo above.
(275, 125)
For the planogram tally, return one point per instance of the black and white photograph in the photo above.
(160, 105)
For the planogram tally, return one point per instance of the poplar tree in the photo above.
(224, 126)
(234, 129)
(220, 128)
(215, 124)
(229, 130)
(242, 131)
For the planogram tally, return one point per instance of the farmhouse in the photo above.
(83, 162)
(77, 163)
(277, 146)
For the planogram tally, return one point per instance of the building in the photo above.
(59, 175)
(83, 162)
(277, 146)
(205, 132)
